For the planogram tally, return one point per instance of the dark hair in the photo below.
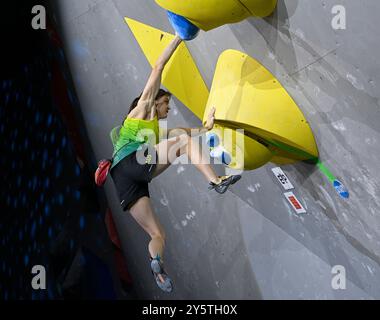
(159, 94)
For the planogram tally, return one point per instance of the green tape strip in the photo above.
(291, 149)
(326, 171)
(322, 168)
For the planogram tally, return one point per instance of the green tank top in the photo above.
(129, 137)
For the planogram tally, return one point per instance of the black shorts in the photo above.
(131, 180)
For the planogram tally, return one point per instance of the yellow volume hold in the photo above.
(247, 96)
(181, 75)
(210, 14)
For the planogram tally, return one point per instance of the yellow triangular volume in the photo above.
(244, 152)
(181, 75)
(248, 96)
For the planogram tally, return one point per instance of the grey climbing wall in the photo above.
(249, 243)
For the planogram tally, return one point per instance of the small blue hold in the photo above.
(226, 158)
(184, 28)
(341, 189)
(212, 140)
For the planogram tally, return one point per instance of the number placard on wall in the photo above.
(297, 206)
(281, 176)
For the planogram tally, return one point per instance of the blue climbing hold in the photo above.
(184, 28)
(212, 140)
(341, 189)
(226, 158)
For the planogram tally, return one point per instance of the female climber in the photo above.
(131, 175)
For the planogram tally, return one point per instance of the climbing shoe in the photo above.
(162, 279)
(224, 184)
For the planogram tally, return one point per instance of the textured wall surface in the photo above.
(248, 243)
